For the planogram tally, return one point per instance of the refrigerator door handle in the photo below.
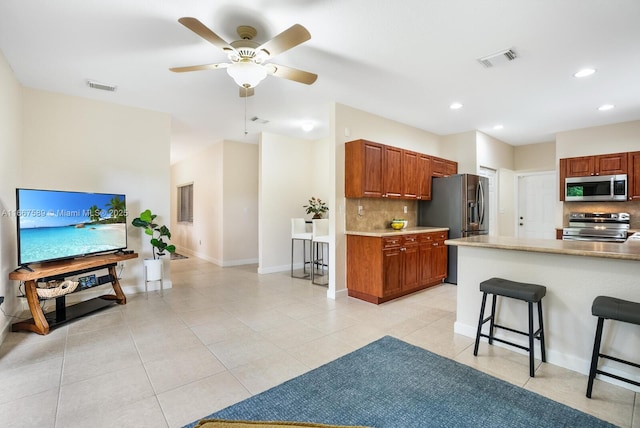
(480, 203)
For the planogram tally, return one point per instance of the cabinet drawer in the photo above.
(433, 237)
(409, 239)
(391, 242)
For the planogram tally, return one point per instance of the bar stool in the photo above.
(530, 293)
(299, 233)
(616, 310)
(320, 238)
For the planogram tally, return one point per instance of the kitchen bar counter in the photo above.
(391, 232)
(625, 251)
(575, 273)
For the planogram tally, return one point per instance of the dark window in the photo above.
(185, 203)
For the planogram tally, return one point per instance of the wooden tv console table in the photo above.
(39, 323)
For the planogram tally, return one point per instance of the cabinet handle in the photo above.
(403, 249)
(435, 244)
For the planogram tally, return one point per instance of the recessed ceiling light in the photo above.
(604, 107)
(584, 72)
(455, 106)
(498, 127)
(307, 126)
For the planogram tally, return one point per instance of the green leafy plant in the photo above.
(157, 232)
(316, 206)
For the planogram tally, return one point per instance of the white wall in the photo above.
(10, 168)
(225, 186)
(292, 170)
(203, 237)
(240, 203)
(535, 157)
(461, 148)
(71, 143)
(493, 153)
(619, 137)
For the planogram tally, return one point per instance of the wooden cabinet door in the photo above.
(424, 177)
(410, 175)
(433, 258)
(633, 183)
(363, 169)
(411, 263)
(392, 271)
(611, 164)
(580, 167)
(562, 173)
(425, 257)
(451, 168)
(443, 167)
(439, 260)
(392, 172)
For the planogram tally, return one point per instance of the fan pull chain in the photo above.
(245, 110)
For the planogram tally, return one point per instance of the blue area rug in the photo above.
(390, 383)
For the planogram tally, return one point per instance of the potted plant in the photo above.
(158, 234)
(317, 207)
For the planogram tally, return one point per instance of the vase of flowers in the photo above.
(317, 207)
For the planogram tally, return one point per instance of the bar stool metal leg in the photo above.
(492, 323)
(531, 333)
(595, 355)
(480, 322)
(540, 324)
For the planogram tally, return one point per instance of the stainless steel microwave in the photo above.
(596, 188)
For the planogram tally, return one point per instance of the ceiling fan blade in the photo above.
(286, 40)
(292, 74)
(246, 92)
(203, 31)
(199, 67)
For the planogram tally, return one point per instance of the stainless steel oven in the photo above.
(603, 227)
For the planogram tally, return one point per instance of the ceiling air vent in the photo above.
(102, 86)
(256, 119)
(498, 58)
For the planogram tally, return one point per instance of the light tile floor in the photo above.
(221, 335)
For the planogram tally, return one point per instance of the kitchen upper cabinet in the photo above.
(443, 167)
(363, 169)
(424, 177)
(392, 172)
(633, 183)
(384, 268)
(583, 166)
(374, 170)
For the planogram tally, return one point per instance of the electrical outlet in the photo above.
(405, 209)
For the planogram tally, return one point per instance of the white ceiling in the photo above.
(405, 60)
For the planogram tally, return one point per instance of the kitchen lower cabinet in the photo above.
(382, 268)
(433, 257)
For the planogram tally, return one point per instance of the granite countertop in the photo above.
(393, 232)
(627, 251)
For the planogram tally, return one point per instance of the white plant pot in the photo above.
(152, 269)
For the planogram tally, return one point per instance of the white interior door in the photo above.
(536, 205)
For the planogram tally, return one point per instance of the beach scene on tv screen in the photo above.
(55, 225)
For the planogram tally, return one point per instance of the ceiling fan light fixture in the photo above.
(246, 73)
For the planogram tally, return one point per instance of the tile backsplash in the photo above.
(376, 214)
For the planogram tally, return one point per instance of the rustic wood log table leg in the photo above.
(37, 324)
(119, 296)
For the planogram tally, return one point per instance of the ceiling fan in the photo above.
(248, 58)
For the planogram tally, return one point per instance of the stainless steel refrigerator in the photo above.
(457, 202)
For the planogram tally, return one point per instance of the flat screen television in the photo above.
(55, 225)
